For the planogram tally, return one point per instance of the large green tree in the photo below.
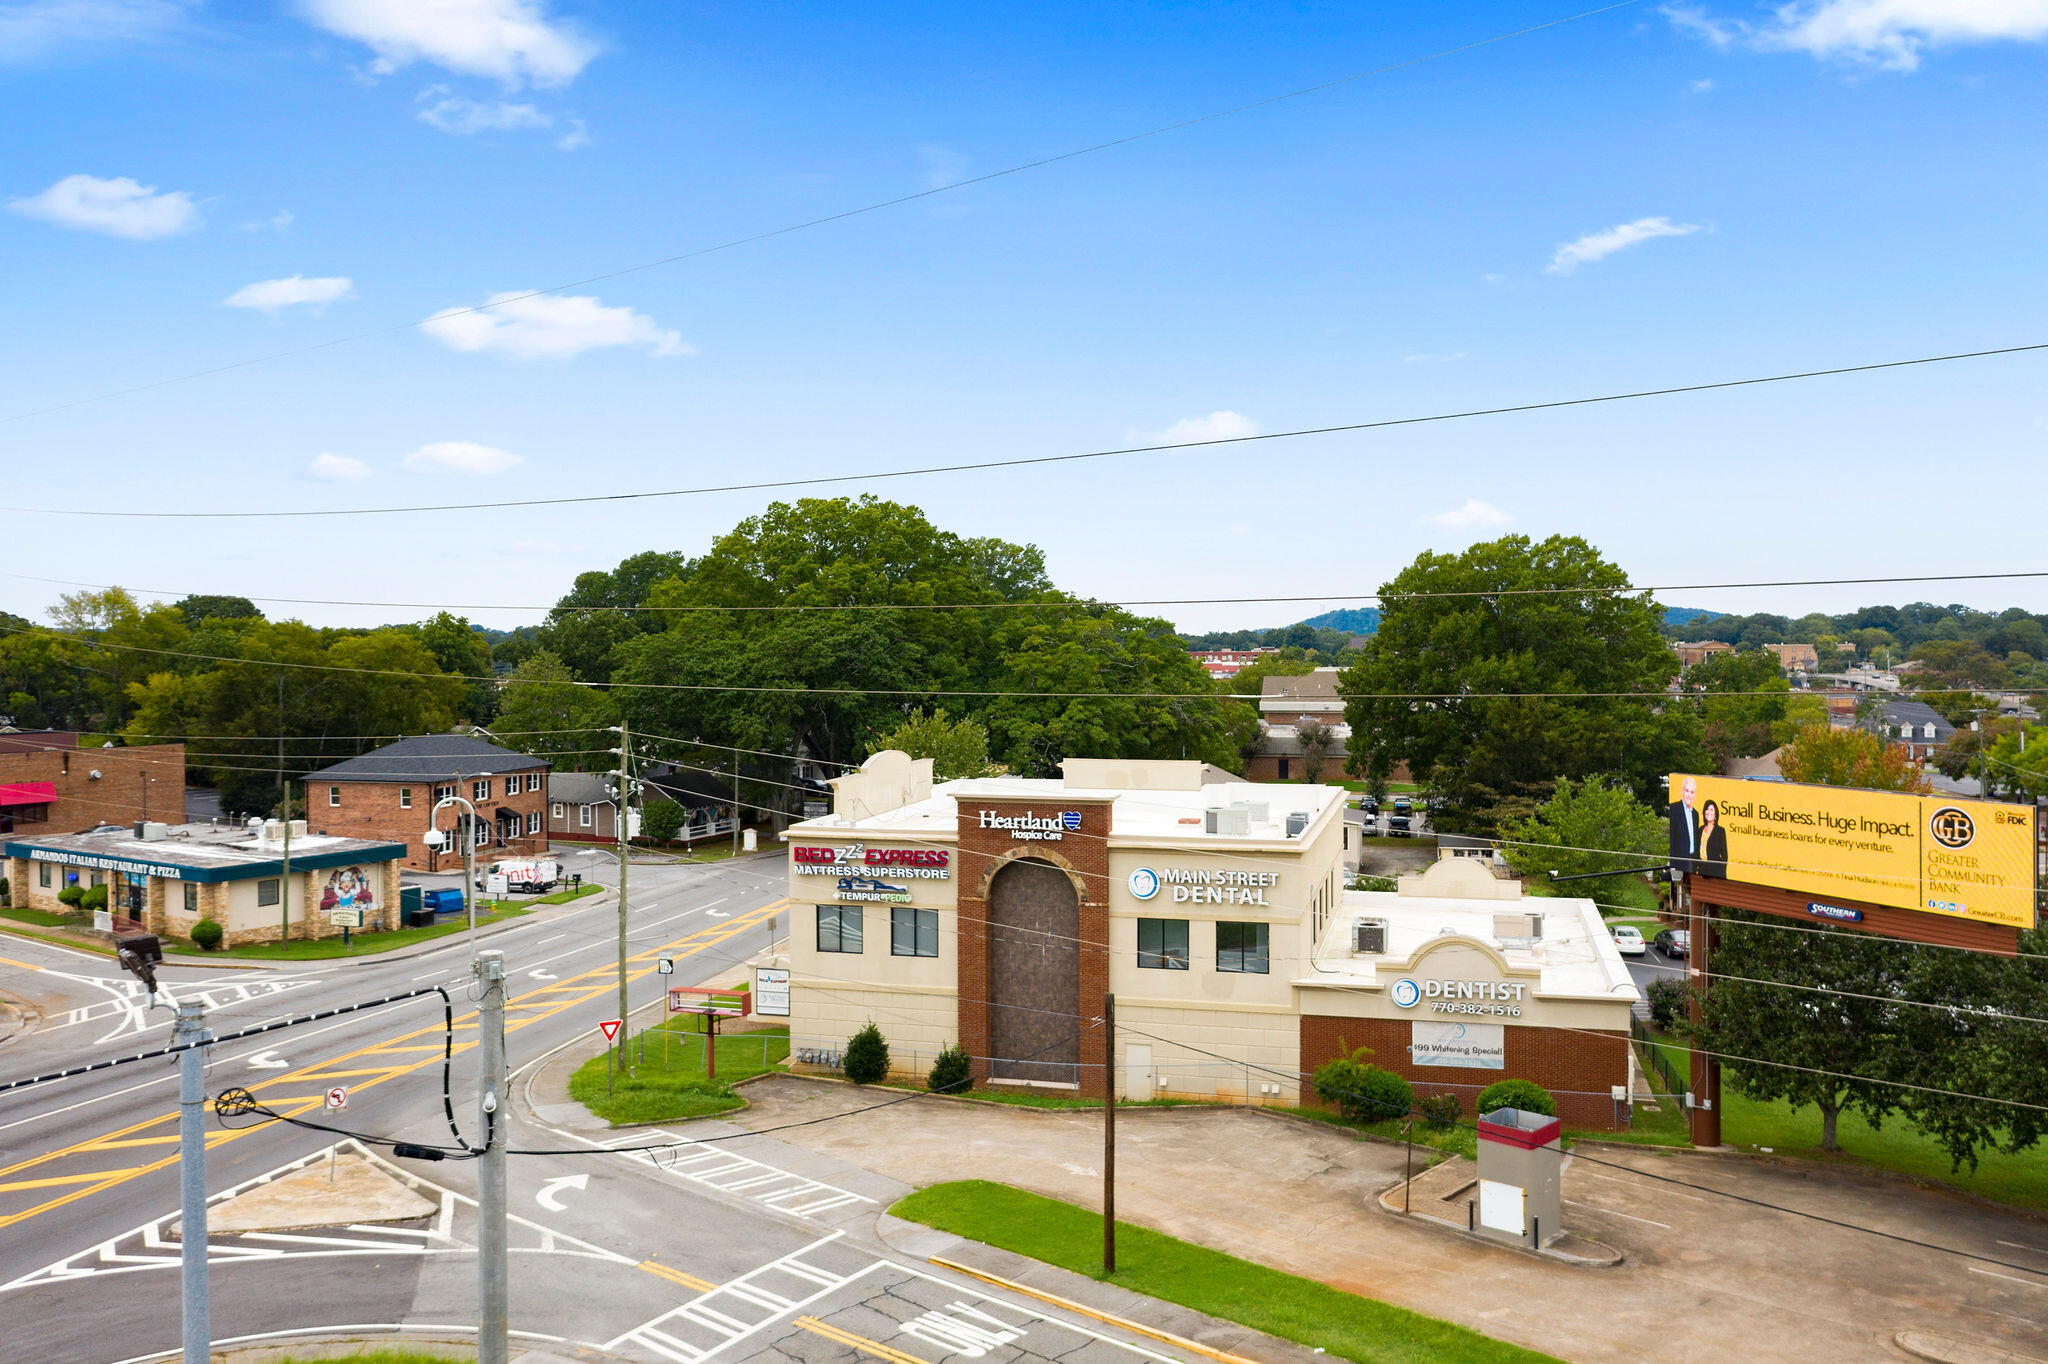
(1590, 826)
(957, 748)
(546, 713)
(1496, 671)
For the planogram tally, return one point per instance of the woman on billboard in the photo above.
(1713, 842)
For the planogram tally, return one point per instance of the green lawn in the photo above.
(663, 1078)
(406, 1356)
(360, 944)
(45, 919)
(1205, 1280)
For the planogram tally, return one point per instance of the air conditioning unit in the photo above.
(1296, 822)
(1369, 936)
(1235, 821)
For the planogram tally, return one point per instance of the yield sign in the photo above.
(610, 1028)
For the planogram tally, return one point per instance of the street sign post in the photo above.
(610, 1028)
(666, 965)
(337, 1098)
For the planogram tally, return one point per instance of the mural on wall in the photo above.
(348, 888)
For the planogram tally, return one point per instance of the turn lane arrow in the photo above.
(546, 1197)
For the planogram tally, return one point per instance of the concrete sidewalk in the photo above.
(1702, 1278)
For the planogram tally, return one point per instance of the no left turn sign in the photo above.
(337, 1098)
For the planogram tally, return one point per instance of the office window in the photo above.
(480, 790)
(483, 834)
(533, 781)
(443, 792)
(1243, 948)
(583, 816)
(511, 786)
(405, 798)
(555, 810)
(839, 928)
(333, 795)
(266, 891)
(913, 932)
(43, 874)
(533, 822)
(1163, 944)
(191, 899)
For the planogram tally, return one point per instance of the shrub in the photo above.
(662, 820)
(867, 1056)
(1360, 1090)
(6, 891)
(1526, 1095)
(70, 895)
(1366, 881)
(206, 934)
(1442, 1110)
(1386, 1095)
(952, 1073)
(94, 899)
(1667, 1001)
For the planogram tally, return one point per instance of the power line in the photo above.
(899, 200)
(823, 480)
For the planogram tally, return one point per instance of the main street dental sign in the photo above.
(1200, 886)
(1034, 828)
(857, 859)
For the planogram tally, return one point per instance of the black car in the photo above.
(1397, 827)
(1369, 805)
(1672, 942)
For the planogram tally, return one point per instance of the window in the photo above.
(555, 810)
(43, 874)
(913, 932)
(1283, 769)
(511, 786)
(483, 834)
(333, 795)
(99, 878)
(480, 790)
(266, 891)
(583, 816)
(1163, 944)
(533, 781)
(533, 822)
(443, 792)
(405, 798)
(191, 899)
(1242, 948)
(839, 928)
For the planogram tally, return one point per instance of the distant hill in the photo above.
(1356, 620)
(1675, 616)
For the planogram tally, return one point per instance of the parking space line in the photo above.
(2021, 1245)
(1595, 1207)
(1992, 1273)
(1673, 1193)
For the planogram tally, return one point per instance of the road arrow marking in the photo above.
(546, 1197)
(268, 1060)
(543, 975)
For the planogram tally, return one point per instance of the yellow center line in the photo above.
(861, 1343)
(602, 978)
(24, 965)
(677, 1276)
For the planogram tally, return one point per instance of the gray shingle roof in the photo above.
(580, 788)
(429, 756)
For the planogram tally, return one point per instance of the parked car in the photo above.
(1403, 805)
(1629, 941)
(1672, 942)
(1397, 827)
(1369, 805)
(524, 876)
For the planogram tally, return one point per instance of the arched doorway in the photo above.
(1034, 973)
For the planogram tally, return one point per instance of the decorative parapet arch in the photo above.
(1049, 856)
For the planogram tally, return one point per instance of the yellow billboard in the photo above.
(1969, 859)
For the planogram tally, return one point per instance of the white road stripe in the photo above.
(1612, 1213)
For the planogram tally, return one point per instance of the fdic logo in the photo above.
(1144, 883)
(1951, 827)
(1405, 993)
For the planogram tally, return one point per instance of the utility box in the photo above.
(1521, 1161)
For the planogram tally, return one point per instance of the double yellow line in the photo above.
(361, 1069)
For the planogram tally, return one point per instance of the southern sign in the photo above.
(771, 991)
(857, 859)
(1971, 859)
(1472, 1046)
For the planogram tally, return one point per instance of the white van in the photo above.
(525, 877)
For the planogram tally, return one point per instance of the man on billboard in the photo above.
(1685, 826)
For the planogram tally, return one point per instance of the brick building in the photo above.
(389, 793)
(48, 784)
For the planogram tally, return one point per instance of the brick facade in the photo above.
(397, 812)
(1084, 857)
(143, 782)
(1578, 1068)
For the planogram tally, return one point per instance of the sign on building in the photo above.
(771, 991)
(1473, 1046)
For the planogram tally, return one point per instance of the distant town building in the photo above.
(1692, 655)
(1917, 725)
(48, 784)
(1796, 658)
(1285, 704)
(1222, 664)
(388, 793)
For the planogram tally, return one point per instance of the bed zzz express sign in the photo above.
(857, 859)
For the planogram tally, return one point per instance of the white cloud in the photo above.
(547, 327)
(461, 457)
(1602, 244)
(117, 207)
(454, 114)
(277, 222)
(30, 28)
(513, 41)
(1885, 33)
(577, 136)
(1703, 86)
(1470, 516)
(270, 295)
(1215, 426)
(337, 469)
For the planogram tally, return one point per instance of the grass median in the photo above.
(1208, 1281)
(658, 1075)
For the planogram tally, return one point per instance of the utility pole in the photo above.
(625, 824)
(735, 802)
(493, 1299)
(190, 1033)
(284, 886)
(1109, 1134)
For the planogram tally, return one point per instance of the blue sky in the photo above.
(1650, 196)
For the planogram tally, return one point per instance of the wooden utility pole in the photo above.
(1109, 1134)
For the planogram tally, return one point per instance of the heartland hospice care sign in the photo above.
(1971, 859)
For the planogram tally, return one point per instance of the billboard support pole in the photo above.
(1706, 1069)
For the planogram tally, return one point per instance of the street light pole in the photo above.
(434, 839)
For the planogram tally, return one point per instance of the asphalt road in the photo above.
(719, 1243)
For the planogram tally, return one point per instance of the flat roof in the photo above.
(198, 852)
(1575, 956)
(1135, 815)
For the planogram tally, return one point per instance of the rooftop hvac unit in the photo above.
(1296, 822)
(1233, 820)
(1258, 811)
(1369, 936)
(1528, 926)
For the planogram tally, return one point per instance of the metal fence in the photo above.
(1654, 1059)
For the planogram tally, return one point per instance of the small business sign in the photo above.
(1498, 998)
(498, 884)
(103, 921)
(771, 991)
(1205, 886)
(1838, 912)
(337, 1098)
(345, 918)
(1468, 1046)
(867, 890)
(1033, 828)
(857, 859)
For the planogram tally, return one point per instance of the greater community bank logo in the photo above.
(1951, 827)
(1406, 993)
(1144, 883)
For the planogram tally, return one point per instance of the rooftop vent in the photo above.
(1296, 822)
(1369, 936)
